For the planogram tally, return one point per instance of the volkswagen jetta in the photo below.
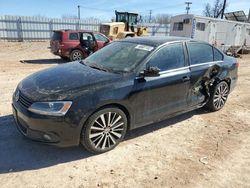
(128, 84)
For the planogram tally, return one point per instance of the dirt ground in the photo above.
(197, 149)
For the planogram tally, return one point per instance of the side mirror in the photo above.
(150, 72)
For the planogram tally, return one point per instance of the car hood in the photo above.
(64, 81)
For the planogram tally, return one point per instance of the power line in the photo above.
(104, 10)
(170, 6)
(109, 10)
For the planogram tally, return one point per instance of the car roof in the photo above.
(155, 40)
(113, 23)
(69, 30)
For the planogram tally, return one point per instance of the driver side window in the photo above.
(168, 57)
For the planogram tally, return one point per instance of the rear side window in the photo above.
(73, 36)
(57, 35)
(200, 53)
(217, 55)
(169, 57)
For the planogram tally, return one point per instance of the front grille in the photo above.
(24, 101)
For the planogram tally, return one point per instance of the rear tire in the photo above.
(76, 55)
(104, 130)
(218, 96)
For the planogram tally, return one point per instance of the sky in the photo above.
(104, 9)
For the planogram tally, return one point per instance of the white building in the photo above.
(219, 32)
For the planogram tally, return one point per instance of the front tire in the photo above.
(104, 130)
(218, 96)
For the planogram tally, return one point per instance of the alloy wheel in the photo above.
(106, 130)
(220, 95)
(77, 55)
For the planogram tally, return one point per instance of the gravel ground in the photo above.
(196, 149)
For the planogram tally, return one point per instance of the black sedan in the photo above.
(128, 84)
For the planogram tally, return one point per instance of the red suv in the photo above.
(76, 44)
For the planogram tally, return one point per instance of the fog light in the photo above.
(47, 137)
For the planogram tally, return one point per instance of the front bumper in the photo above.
(46, 129)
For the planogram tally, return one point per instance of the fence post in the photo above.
(167, 30)
(50, 28)
(78, 25)
(19, 30)
(153, 30)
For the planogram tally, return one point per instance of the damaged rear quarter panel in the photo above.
(204, 76)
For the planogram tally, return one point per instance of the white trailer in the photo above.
(221, 33)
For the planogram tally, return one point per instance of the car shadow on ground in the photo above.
(44, 61)
(19, 154)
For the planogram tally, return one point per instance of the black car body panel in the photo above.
(59, 84)
(144, 99)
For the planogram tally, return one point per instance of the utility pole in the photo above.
(79, 12)
(223, 9)
(248, 18)
(150, 15)
(188, 7)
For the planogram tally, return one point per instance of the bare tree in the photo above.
(215, 10)
(161, 18)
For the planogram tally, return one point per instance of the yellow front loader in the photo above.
(125, 25)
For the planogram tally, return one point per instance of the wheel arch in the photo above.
(116, 105)
(121, 107)
(76, 48)
(226, 79)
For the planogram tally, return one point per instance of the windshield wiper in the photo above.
(95, 66)
(82, 62)
(98, 67)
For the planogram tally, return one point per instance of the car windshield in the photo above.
(104, 29)
(119, 57)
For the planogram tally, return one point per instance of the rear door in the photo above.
(165, 94)
(87, 39)
(73, 40)
(202, 66)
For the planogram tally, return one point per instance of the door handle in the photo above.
(185, 78)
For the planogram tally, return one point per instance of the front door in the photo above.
(88, 42)
(101, 40)
(165, 94)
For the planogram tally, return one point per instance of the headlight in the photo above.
(58, 108)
